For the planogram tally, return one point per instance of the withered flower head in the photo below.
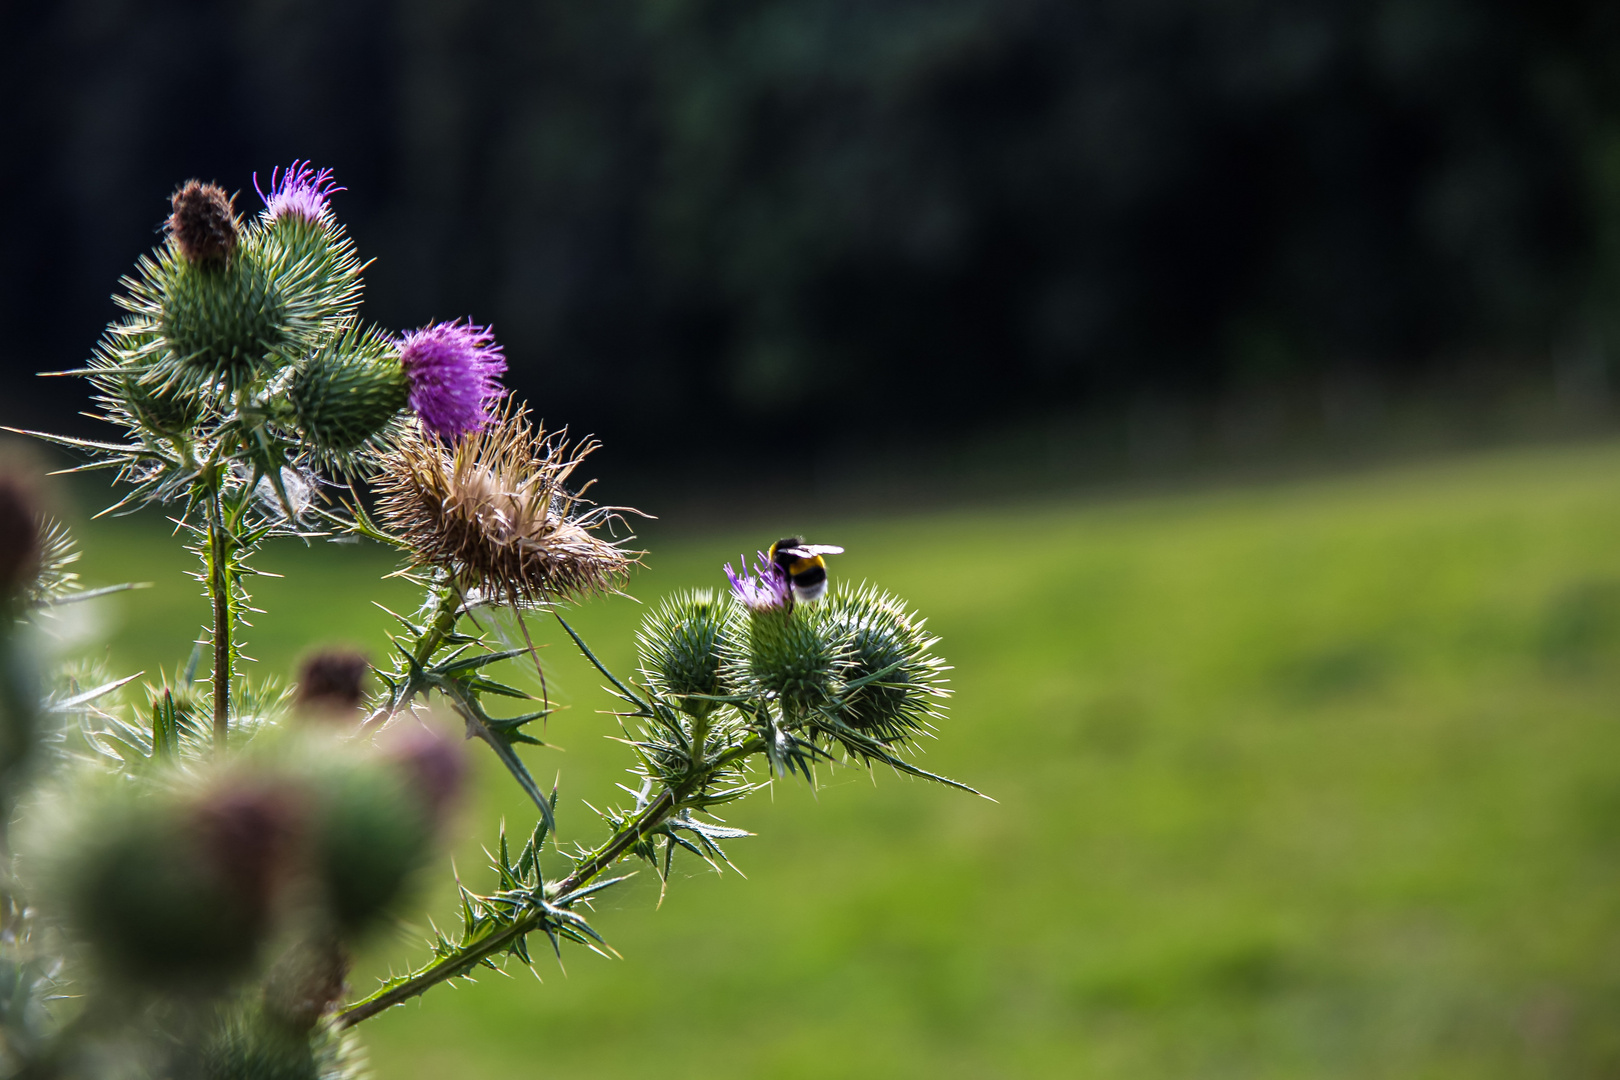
(203, 222)
(495, 510)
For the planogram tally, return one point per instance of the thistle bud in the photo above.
(203, 223)
(885, 644)
(681, 644)
(224, 321)
(332, 683)
(349, 391)
(173, 891)
(792, 656)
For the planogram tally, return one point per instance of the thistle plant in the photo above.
(190, 862)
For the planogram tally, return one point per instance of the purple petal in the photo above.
(300, 191)
(454, 371)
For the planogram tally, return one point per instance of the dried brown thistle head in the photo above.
(495, 511)
(203, 222)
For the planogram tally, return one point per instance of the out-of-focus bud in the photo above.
(203, 223)
(349, 391)
(681, 644)
(20, 560)
(306, 981)
(432, 764)
(252, 1044)
(370, 831)
(332, 684)
(176, 891)
(19, 536)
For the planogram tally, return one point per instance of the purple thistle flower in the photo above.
(768, 589)
(301, 191)
(454, 370)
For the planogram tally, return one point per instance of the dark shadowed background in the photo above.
(847, 226)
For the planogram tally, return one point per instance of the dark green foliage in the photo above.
(349, 391)
(681, 643)
(368, 835)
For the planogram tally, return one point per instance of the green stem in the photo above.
(668, 803)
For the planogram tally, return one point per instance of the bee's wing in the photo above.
(806, 551)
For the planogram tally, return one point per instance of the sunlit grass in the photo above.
(1321, 779)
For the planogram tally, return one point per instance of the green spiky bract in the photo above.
(130, 367)
(226, 322)
(681, 643)
(348, 393)
(319, 257)
(894, 681)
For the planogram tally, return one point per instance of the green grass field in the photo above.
(1317, 779)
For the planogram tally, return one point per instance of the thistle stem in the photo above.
(219, 586)
(445, 601)
(667, 804)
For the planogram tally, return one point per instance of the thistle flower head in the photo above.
(203, 222)
(301, 192)
(767, 589)
(454, 371)
(495, 511)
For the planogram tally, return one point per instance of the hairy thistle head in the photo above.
(495, 511)
(202, 223)
(793, 657)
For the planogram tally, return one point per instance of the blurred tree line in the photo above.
(855, 219)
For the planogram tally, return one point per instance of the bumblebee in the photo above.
(804, 566)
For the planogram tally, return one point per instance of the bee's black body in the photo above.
(803, 565)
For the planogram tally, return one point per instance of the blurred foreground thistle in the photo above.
(187, 871)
